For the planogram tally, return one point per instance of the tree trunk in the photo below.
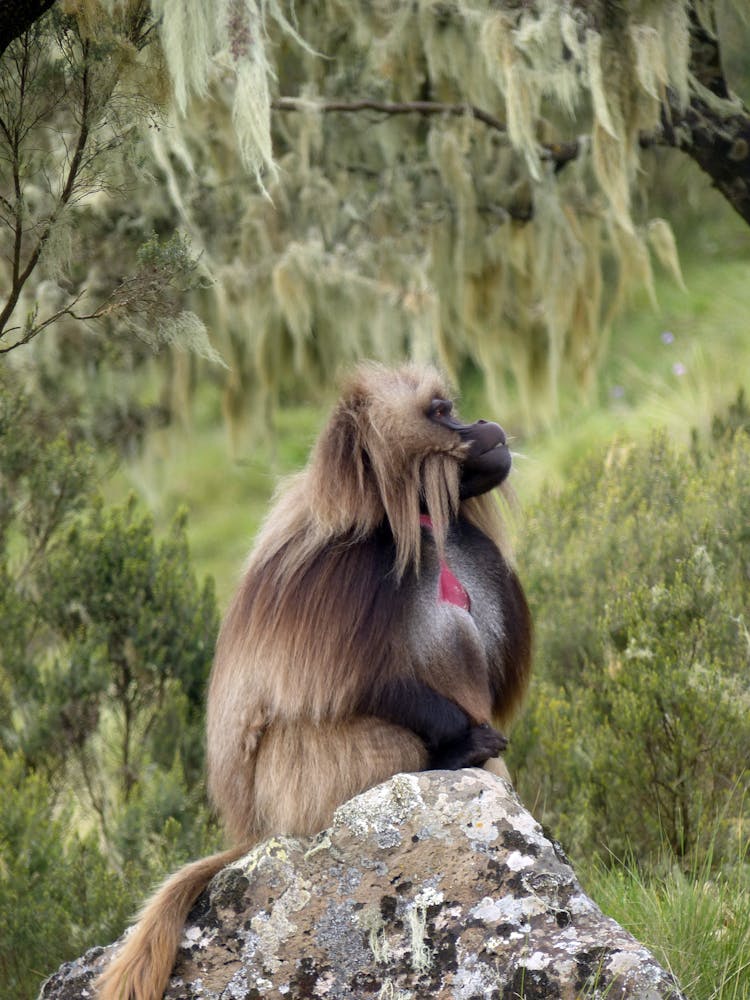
(719, 144)
(716, 134)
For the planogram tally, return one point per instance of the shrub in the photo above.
(107, 643)
(59, 894)
(638, 572)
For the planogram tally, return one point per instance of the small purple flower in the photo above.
(678, 368)
(617, 391)
(667, 337)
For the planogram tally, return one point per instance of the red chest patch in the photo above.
(450, 588)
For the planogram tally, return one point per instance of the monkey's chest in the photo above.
(458, 598)
(449, 589)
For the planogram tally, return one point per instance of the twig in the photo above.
(560, 153)
(21, 277)
(37, 328)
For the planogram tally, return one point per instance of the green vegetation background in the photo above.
(633, 539)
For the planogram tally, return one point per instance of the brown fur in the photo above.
(316, 620)
(142, 967)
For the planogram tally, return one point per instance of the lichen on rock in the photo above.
(435, 884)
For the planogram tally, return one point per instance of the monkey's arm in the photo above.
(451, 738)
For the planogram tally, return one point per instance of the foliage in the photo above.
(737, 419)
(466, 182)
(197, 35)
(107, 641)
(74, 94)
(462, 181)
(135, 639)
(639, 726)
(59, 894)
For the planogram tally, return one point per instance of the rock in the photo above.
(438, 884)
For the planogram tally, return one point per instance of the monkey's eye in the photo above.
(440, 408)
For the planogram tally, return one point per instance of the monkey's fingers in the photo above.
(487, 742)
(472, 750)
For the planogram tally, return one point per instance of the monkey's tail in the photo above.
(141, 968)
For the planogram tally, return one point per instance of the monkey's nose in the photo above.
(503, 438)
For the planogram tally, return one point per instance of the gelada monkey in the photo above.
(379, 627)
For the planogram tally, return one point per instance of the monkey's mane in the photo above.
(378, 460)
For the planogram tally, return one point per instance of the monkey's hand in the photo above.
(451, 739)
(437, 720)
(471, 750)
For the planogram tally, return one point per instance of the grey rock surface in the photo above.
(438, 884)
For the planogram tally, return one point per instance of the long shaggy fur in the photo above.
(142, 967)
(319, 618)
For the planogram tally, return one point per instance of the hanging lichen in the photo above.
(444, 236)
(401, 229)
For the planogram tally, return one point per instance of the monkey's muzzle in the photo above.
(487, 461)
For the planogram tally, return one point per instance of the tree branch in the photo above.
(560, 153)
(36, 328)
(21, 277)
(714, 129)
(719, 144)
(716, 137)
(16, 16)
(389, 108)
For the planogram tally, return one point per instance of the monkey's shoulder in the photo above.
(469, 550)
(373, 558)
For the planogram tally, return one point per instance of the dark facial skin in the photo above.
(487, 461)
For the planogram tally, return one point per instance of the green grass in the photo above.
(638, 390)
(651, 380)
(696, 925)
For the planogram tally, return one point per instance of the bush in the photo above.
(108, 637)
(638, 729)
(135, 637)
(59, 894)
(107, 644)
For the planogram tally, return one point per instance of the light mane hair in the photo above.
(377, 460)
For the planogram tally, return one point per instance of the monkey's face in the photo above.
(406, 418)
(393, 447)
(486, 460)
